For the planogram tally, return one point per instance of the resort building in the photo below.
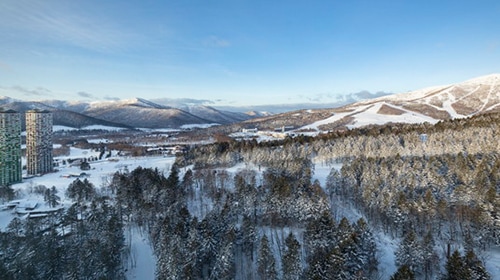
(38, 142)
(10, 147)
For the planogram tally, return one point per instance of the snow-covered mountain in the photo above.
(135, 113)
(475, 96)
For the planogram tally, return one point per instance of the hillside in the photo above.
(469, 98)
(461, 100)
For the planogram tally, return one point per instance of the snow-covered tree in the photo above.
(403, 273)
(291, 263)
(266, 264)
(410, 252)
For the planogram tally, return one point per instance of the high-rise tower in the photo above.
(10, 147)
(38, 142)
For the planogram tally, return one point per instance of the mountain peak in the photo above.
(490, 79)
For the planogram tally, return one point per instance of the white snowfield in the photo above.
(369, 114)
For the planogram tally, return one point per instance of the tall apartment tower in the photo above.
(38, 142)
(10, 147)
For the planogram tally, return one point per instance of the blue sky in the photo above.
(238, 52)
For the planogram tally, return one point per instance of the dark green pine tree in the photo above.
(266, 263)
(113, 245)
(410, 252)
(292, 269)
(476, 267)
(330, 265)
(173, 178)
(404, 273)
(366, 248)
(248, 236)
(320, 234)
(224, 266)
(51, 197)
(456, 269)
(430, 258)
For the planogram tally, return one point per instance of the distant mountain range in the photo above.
(475, 96)
(130, 113)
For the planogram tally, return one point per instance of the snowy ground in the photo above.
(141, 262)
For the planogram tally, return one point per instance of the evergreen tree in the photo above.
(248, 236)
(476, 267)
(320, 234)
(81, 190)
(328, 265)
(292, 269)
(51, 197)
(456, 269)
(430, 258)
(403, 273)
(224, 266)
(266, 264)
(409, 252)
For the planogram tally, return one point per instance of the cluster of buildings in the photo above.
(38, 144)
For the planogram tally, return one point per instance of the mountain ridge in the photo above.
(126, 113)
(431, 104)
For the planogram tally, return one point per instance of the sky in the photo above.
(239, 52)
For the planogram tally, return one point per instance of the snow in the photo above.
(369, 114)
(62, 128)
(160, 130)
(487, 79)
(141, 263)
(99, 140)
(387, 247)
(201, 125)
(413, 95)
(453, 114)
(102, 127)
(492, 262)
(90, 127)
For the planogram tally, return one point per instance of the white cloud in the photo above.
(17, 91)
(85, 95)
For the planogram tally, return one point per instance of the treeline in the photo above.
(473, 135)
(280, 228)
(84, 241)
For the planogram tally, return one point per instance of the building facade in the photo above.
(10, 147)
(38, 142)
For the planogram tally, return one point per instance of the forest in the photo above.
(434, 187)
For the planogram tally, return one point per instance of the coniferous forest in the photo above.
(433, 187)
